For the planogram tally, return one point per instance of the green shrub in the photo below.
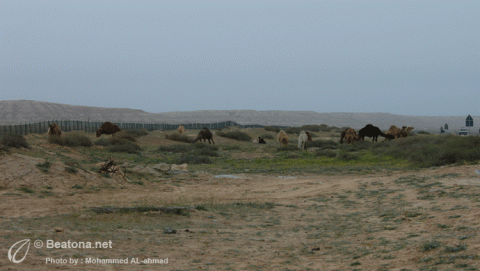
(272, 129)
(347, 156)
(290, 155)
(136, 133)
(205, 146)
(176, 148)
(359, 145)
(323, 144)
(77, 139)
(14, 141)
(128, 147)
(71, 169)
(328, 153)
(201, 208)
(194, 159)
(56, 140)
(230, 147)
(287, 148)
(102, 142)
(119, 141)
(456, 248)
(206, 152)
(27, 190)
(199, 149)
(3, 148)
(45, 166)
(312, 128)
(178, 137)
(124, 136)
(326, 128)
(430, 245)
(432, 150)
(293, 130)
(237, 135)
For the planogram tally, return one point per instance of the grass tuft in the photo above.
(178, 137)
(14, 141)
(237, 135)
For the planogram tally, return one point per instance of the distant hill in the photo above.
(25, 111)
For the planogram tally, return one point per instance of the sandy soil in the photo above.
(382, 221)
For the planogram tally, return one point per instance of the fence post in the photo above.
(89, 127)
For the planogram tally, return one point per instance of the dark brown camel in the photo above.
(204, 134)
(373, 132)
(108, 128)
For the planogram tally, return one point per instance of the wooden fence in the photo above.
(91, 127)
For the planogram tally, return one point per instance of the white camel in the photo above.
(302, 140)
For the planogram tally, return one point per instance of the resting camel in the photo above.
(181, 129)
(309, 136)
(405, 131)
(54, 130)
(373, 132)
(282, 138)
(397, 132)
(302, 140)
(394, 131)
(204, 134)
(108, 128)
(350, 136)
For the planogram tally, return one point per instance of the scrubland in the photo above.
(406, 204)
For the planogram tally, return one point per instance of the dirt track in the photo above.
(250, 221)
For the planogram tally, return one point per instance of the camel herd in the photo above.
(374, 132)
(107, 128)
(349, 134)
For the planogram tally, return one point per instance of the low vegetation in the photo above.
(175, 136)
(136, 133)
(14, 141)
(286, 209)
(237, 135)
(198, 153)
(417, 151)
(432, 150)
(125, 146)
(72, 139)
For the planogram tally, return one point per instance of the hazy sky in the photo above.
(392, 56)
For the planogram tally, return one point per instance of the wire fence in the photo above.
(91, 127)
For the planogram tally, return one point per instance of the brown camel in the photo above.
(405, 131)
(204, 134)
(396, 132)
(309, 136)
(108, 128)
(282, 138)
(54, 130)
(349, 135)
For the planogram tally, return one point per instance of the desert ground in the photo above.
(230, 215)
